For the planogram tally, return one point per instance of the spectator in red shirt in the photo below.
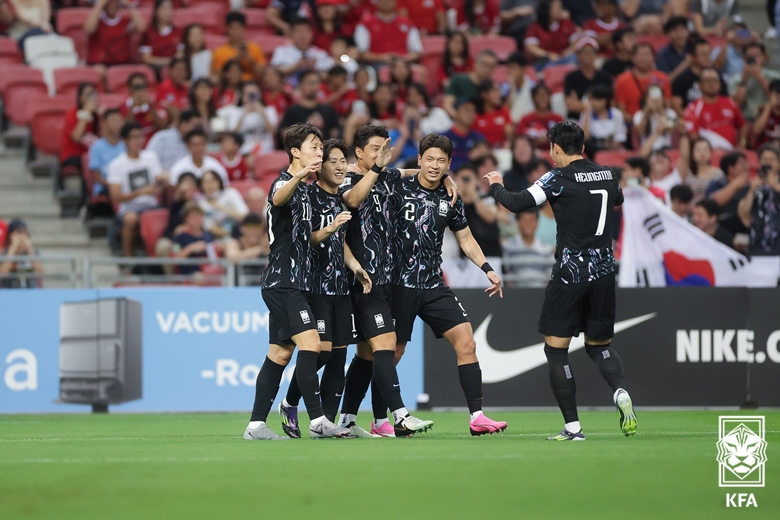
(716, 118)
(766, 127)
(550, 39)
(202, 101)
(328, 24)
(81, 126)
(536, 124)
(428, 15)
(385, 34)
(631, 86)
(400, 79)
(456, 59)
(109, 31)
(382, 108)
(235, 164)
(476, 16)
(141, 107)
(337, 92)
(173, 94)
(229, 84)
(493, 120)
(274, 94)
(161, 40)
(602, 27)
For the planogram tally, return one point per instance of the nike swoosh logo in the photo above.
(396, 386)
(316, 393)
(499, 365)
(407, 197)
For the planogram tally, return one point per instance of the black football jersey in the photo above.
(289, 234)
(420, 217)
(370, 230)
(328, 272)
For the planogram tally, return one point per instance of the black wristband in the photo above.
(486, 268)
(376, 169)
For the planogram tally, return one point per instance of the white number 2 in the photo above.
(409, 214)
(603, 214)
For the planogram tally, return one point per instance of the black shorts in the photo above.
(373, 312)
(587, 307)
(333, 315)
(438, 307)
(290, 314)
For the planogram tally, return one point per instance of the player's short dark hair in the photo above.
(129, 127)
(364, 134)
(235, 136)
(297, 134)
(617, 36)
(768, 147)
(331, 144)
(112, 111)
(641, 163)
(710, 206)
(436, 141)
(235, 16)
(774, 86)
(681, 192)
(188, 115)
(639, 45)
(729, 160)
(135, 75)
(568, 135)
(337, 70)
(674, 22)
(195, 132)
(252, 219)
(692, 45)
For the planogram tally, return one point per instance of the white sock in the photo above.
(286, 404)
(400, 414)
(614, 396)
(256, 424)
(318, 420)
(380, 422)
(476, 414)
(573, 427)
(346, 419)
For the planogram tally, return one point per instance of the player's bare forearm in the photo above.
(470, 247)
(514, 202)
(319, 236)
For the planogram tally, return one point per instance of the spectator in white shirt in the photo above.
(135, 179)
(254, 121)
(223, 207)
(169, 144)
(197, 161)
(300, 54)
(603, 124)
(527, 260)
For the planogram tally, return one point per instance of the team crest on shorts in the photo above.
(305, 317)
(380, 320)
(320, 326)
(444, 207)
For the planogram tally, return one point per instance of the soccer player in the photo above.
(286, 280)
(369, 237)
(580, 296)
(421, 213)
(329, 298)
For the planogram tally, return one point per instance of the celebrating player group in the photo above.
(356, 257)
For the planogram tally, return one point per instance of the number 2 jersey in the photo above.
(420, 217)
(328, 272)
(582, 196)
(289, 234)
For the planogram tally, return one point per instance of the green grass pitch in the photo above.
(127, 466)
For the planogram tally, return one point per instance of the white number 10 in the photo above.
(603, 214)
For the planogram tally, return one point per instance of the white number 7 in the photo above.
(603, 214)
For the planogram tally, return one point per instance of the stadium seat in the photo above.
(3, 233)
(213, 41)
(658, 41)
(116, 77)
(47, 119)
(613, 157)
(268, 42)
(256, 22)
(434, 45)
(70, 23)
(221, 5)
(48, 53)
(752, 158)
(18, 86)
(673, 155)
(715, 41)
(419, 74)
(503, 46)
(554, 76)
(243, 186)
(9, 70)
(111, 100)
(210, 18)
(67, 80)
(268, 164)
(501, 74)
(152, 226)
(9, 51)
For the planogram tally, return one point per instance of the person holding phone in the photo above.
(711, 17)
(750, 88)
(759, 209)
(255, 121)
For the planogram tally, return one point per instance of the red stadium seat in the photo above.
(211, 19)
(67, 80)
(752, 158)
(9, 70)
(268, 42)
(3, 232)
(658, 41)
(243, 186)
(70, 23)
(9, 51)
(503, 46)
(715, 41)
(112, 100)
(18, 87)
(152, 226)
(222, 6)
(47, 119)
(554, 76)
(256, 22)
(434, 45)
(613, 157)
(501, 74)
(213, 41)
(419, 74)
(267, 165)
(116, 77)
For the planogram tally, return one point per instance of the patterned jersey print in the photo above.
(289, 233)
(420, 217)
(328, 272)
(370, 230)
(583, 196)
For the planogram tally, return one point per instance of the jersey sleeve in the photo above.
(618, 194)
(458, 216)
(547, 187)
(278, 183)
(349, 183)
(390, 175)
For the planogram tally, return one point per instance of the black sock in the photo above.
(609, 363)
(306, 374)
(356, 385)
(378, 402)
(386, 378)
(266, 388)
(294, 391)
(562, 381)
(471, 382)
(332, 384)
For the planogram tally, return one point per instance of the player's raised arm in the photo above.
(515, 202)
(283, 195)
(317, 237)
(354, 197)
(471, 249)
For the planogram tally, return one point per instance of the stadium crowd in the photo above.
(676, 95)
